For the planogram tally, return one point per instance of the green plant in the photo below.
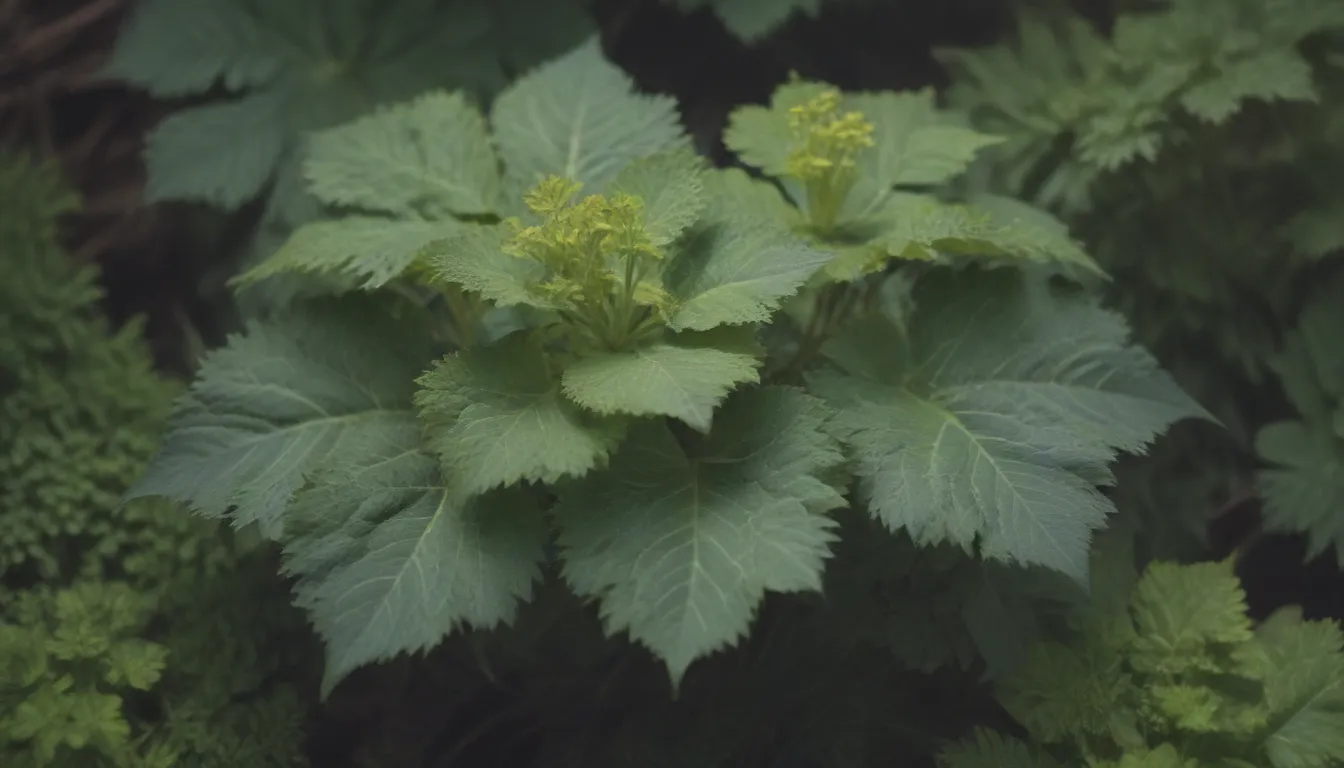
(106, 611)
(584, 340)
(1194, 148)
(1166, 669)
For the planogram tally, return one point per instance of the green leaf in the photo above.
(474, 258)
(1268, 75)
(1304, 488)
(663, 379)
(752, 20)
(391, 560)
(196, 155)
(760, 135)
(914, 144)
(1187, 618)
(428, 157)
(681, 545)
(994, 230)
(992, 421)
(580, 117)
(732, 271)
(1304, 691)
(181, 47)
(322, 384)
(495, 416)
(672, 189)
(366, 251)
(990, 749)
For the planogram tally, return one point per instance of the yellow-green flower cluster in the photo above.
(602, 266)
(824, 157)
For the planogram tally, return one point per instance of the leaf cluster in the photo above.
(561, 344)
(1166, 669)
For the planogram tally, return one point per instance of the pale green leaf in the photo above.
(991, 419)
(474, 258)
(429, 157)
(390, 560)
(1304, 691)
(681, 545)
(663, 379)
(324, 383)
(671, 186)
(367, 251)
(495, 416)
(731, 271)
(760, 135)
(196, 154)
(580, 117)
(752, 20)
(733, 194)
(1187, 618)
(914, 144)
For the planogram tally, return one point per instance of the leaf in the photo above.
(1303, 489)
(681, 546)
(735, 271)
(914, 145)
(391, 560)
(580, 117)
(1187, 617)
(670, 185)
(324, 383)
(196, 155)
(760, 135)
(992, 421)
(367, 251)
(1304, 691)
(663, 379)
(993, 230)
(990, 749)
(474, 258)
(180, 47)
(495, 417)
(1268, 75)
(1064, 692)
(428, 157)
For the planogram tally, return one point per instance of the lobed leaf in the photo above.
(367, 251)
(670, 184)
(495, 416)
(323, 384)
(579, 117)
(390, 559)
(992, 421)
(681, 545)
(429, 157)
(664, 379)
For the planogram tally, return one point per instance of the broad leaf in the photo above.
(367, 251)
(196, 154)
(391, 560)
(992, 421)
(663, 379)
(731, 271)
(914, 145)
(1304, 690)
(672, 189)
(1304, 490)
(681, 545)
(474, 258)
(760, 135)
(428, 157)
(580, 117)
(324, 384)
(989, 749)
(495, 417)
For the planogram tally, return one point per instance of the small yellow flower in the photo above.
(825, 154)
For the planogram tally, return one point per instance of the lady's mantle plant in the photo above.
(562, 326)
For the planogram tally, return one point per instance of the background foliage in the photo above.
(1189, 146)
